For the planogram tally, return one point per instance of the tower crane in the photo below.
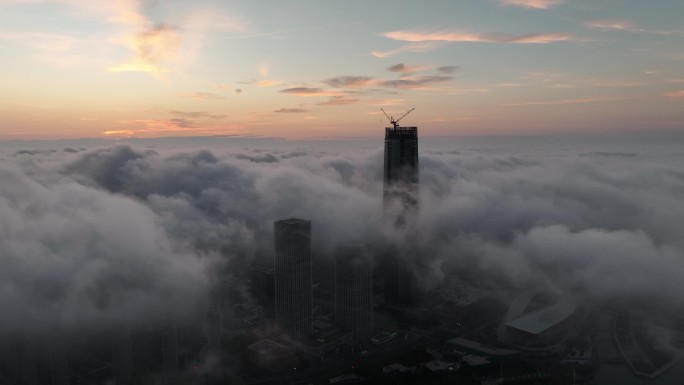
(395, 123)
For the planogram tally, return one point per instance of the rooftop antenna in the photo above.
(395, 123)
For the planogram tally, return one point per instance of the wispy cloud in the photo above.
(350, 82)
(415, 82)
(262, 83)
(196, 114)
(290, 110)
(626, 26)
(534, 4)
(390, 102)
(413, 48)
(565, 101)
(456, 36)
(202, 95)
(338, 101)
(448, 69)
(309, 91)
(403, 68)
(175, 126)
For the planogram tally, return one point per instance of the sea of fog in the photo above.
(102, 233)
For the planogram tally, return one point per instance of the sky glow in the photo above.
(311, 69)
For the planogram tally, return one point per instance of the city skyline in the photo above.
(201, 192)
(149, 69)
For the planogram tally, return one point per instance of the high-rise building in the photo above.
(400, 192)
(399, 280)
(226, 301)
(122, 359)
(263, 286)
(214, 333)
(169, 341)
(400, 197)
(58, 362)
(354, 292)
(293, 290)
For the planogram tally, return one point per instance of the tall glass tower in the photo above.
(294, 294)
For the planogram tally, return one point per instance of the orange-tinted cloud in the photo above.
(565, 101)
(196, 114)
(413, 47)
(174, 126)
(154, 48)
(338, 101)
(309, 91)
(202, 95)
(290, 110)
(267, 83)
(535, 4)
(455, 36)
(675, 94)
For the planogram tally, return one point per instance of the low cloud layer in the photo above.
(124, 235)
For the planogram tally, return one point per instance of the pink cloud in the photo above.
(535, 4)
(290, 110)
(455, 36)
(338, 101)
(413, 47)
(565, 101)
(309, 91)
(675, 94)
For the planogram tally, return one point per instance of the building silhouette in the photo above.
(213, 333)
(122, 358)
(170, 365)
(58, 361)
(354, 292)
(400, 183)
(399, 280)
(400, 201)
(226, 301)
(293, 290)
(263, 286)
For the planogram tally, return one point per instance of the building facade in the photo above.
(293, 290)
(400, 183)
(354, 292)
(400, 199)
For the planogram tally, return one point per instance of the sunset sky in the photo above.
(323, 69)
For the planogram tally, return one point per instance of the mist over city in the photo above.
(305, 192)
(131, 236)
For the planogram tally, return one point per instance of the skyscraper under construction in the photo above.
(400, 200)
(400, 192)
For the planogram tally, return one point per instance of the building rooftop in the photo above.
(267, 347)
(294, 221)
(474, 360)
(474, 345)
(400, 132)
(543, 319)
